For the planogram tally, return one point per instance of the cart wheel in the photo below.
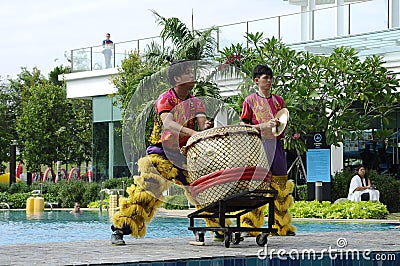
(227, 239)
(200, 236)
(236, 239)
(262, 239)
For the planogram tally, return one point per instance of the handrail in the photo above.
(6, 204)
(118, 191)
(79, 57)
(50, 204)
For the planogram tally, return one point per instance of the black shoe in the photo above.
(218, 237)
(290, 233)
(117, 238)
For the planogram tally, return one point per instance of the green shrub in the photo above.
(4, 187)
(175, 202)
(387, 185)
(16, 200)
(340, 210)
(91, 193)
(64, 192)
(20, 187)
(95, 204)
(301, 192)
(117, 183)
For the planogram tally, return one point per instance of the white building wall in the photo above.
(90, 83)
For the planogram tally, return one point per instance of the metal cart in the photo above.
(234, 207)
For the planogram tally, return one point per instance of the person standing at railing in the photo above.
(107, 50)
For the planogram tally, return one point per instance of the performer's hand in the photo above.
(209, 124)
(270, 124)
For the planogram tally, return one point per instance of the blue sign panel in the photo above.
(318, 165)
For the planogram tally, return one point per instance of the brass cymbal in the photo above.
(283, 117)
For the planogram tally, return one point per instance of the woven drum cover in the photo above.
(224, 148)
(221, 191)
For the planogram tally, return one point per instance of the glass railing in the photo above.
(361, 17)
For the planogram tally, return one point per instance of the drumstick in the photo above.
(215, 114)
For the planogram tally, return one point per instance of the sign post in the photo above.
(318, 159)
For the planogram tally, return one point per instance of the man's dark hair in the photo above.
(176, 69)
(259, 70)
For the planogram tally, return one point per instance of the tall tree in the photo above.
(41, 125)
(337, 94)
(11, 98)
(6, 127)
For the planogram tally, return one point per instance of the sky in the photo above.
(38, 33)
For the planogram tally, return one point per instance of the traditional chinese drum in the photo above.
(224, 161)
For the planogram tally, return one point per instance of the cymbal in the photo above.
(283, 118)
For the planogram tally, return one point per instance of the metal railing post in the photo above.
(349, 16)
(91, 58)
(279, 27)
(312, 25)
(114, 54)
(218, 39)
(72, 60)
(247, 32)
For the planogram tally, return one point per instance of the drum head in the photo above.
(283, 117)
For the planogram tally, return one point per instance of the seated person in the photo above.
(360, 187)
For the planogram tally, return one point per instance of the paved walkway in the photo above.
(164, 250)
(173, 250)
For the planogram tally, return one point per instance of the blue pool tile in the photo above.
(193, 263)
(217, 262)
(154, 264)
(181, 263)
(294, 262)
(240, 262)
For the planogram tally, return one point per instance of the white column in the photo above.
(395, 22)
(340, 25)
(111, 149)
(303, 23)
(311, 8)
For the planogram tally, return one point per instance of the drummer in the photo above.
(259, 110)
(179, 116)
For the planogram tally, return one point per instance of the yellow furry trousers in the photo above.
(284, 199)
(283, 219)
(146, 195)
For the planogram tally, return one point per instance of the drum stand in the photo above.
(234, 207)
(298, 162)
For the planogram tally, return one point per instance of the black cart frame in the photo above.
(234, 207)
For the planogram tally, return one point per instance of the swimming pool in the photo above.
(60, 226)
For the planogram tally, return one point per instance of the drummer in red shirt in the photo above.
(179, 116)
(259, 110)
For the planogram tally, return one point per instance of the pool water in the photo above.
(61, 226)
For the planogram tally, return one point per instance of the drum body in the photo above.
(224, 161)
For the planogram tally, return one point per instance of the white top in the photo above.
(356, 182)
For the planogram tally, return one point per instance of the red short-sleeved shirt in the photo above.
(184, 112)
(258, 109)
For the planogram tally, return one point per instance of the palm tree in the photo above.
(187, 44)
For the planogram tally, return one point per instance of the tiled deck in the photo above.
(178, 251)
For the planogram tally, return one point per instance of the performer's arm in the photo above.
(173, 126)
(204, 123)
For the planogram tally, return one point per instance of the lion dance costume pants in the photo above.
(146, 195)
(280, 182)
